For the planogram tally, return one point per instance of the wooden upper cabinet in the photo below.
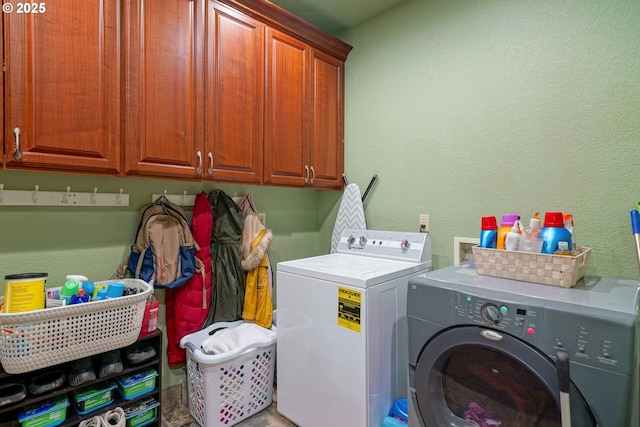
(304, 138)
(163, 87)
(62, 87)
(234, 104)
(326, 152)
(287, 110)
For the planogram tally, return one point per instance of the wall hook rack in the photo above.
(61, 198)
(185, 199)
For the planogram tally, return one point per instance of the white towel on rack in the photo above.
(350, 214)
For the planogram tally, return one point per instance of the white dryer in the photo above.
(342, 328)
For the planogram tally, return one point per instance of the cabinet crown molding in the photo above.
(285, 21)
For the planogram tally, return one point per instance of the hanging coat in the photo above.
(188, 306)
(258, 306)
(227, 294)
(247, 204)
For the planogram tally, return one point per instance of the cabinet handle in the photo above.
(306, 178)
(313, 174)
(199, 169)
(210, 170)
(17, 154)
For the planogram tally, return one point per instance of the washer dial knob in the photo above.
(491, 313)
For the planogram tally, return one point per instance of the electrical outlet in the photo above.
(262, 217)
(424, 223)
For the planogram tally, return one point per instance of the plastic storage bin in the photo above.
(41, 338)
(229, 387)
(137, 384)
(93, 397)
(48, 413)
(142, 413)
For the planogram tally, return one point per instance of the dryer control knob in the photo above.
(491, 313)
(405, 244)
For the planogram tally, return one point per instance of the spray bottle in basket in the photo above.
(150, 319)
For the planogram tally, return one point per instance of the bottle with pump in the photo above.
(512, 241)
(505, 226)
(531, 240)
(553, 232)
(488, 232)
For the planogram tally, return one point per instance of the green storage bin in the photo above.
(48, 413)
(93, 397)
(137, 384)
(143, 413)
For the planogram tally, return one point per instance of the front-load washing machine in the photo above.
(342, 331)
(486, 350)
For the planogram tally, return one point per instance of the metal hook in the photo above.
(1, 191)
(94, 196)
(119, 197)
(35, 195)
(67, 196)
(182, 199)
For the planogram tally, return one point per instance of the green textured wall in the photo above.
(93, 241)
(483, 107)
(463, 108)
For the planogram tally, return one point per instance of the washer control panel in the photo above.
(399, 245)
(518, 320)
(595, 342)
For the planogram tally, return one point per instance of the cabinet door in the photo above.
(234, 111)
(326, 153)
(163, 78)
(287, 107)
(62, 86)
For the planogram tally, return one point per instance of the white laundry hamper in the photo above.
(226, 388)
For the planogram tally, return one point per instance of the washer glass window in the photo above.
(484, 385)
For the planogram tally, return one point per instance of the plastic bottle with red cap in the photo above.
(488, 232)
(553, 232)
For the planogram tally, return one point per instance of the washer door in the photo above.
(469, 375)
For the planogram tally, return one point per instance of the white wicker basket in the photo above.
(227, 388)
(41, 338)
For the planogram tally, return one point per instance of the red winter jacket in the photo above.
(187, 306)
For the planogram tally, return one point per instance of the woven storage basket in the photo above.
(41, 338)
(555, 270)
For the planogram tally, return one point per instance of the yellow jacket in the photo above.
(258, 306)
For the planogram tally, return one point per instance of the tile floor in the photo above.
(178, 416)
(175, 412)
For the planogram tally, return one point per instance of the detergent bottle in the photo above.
(488, 232)
(568, 224)
(531, 240)
(553, 232)
(505, 226)
(512, 241)
(150, 319)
